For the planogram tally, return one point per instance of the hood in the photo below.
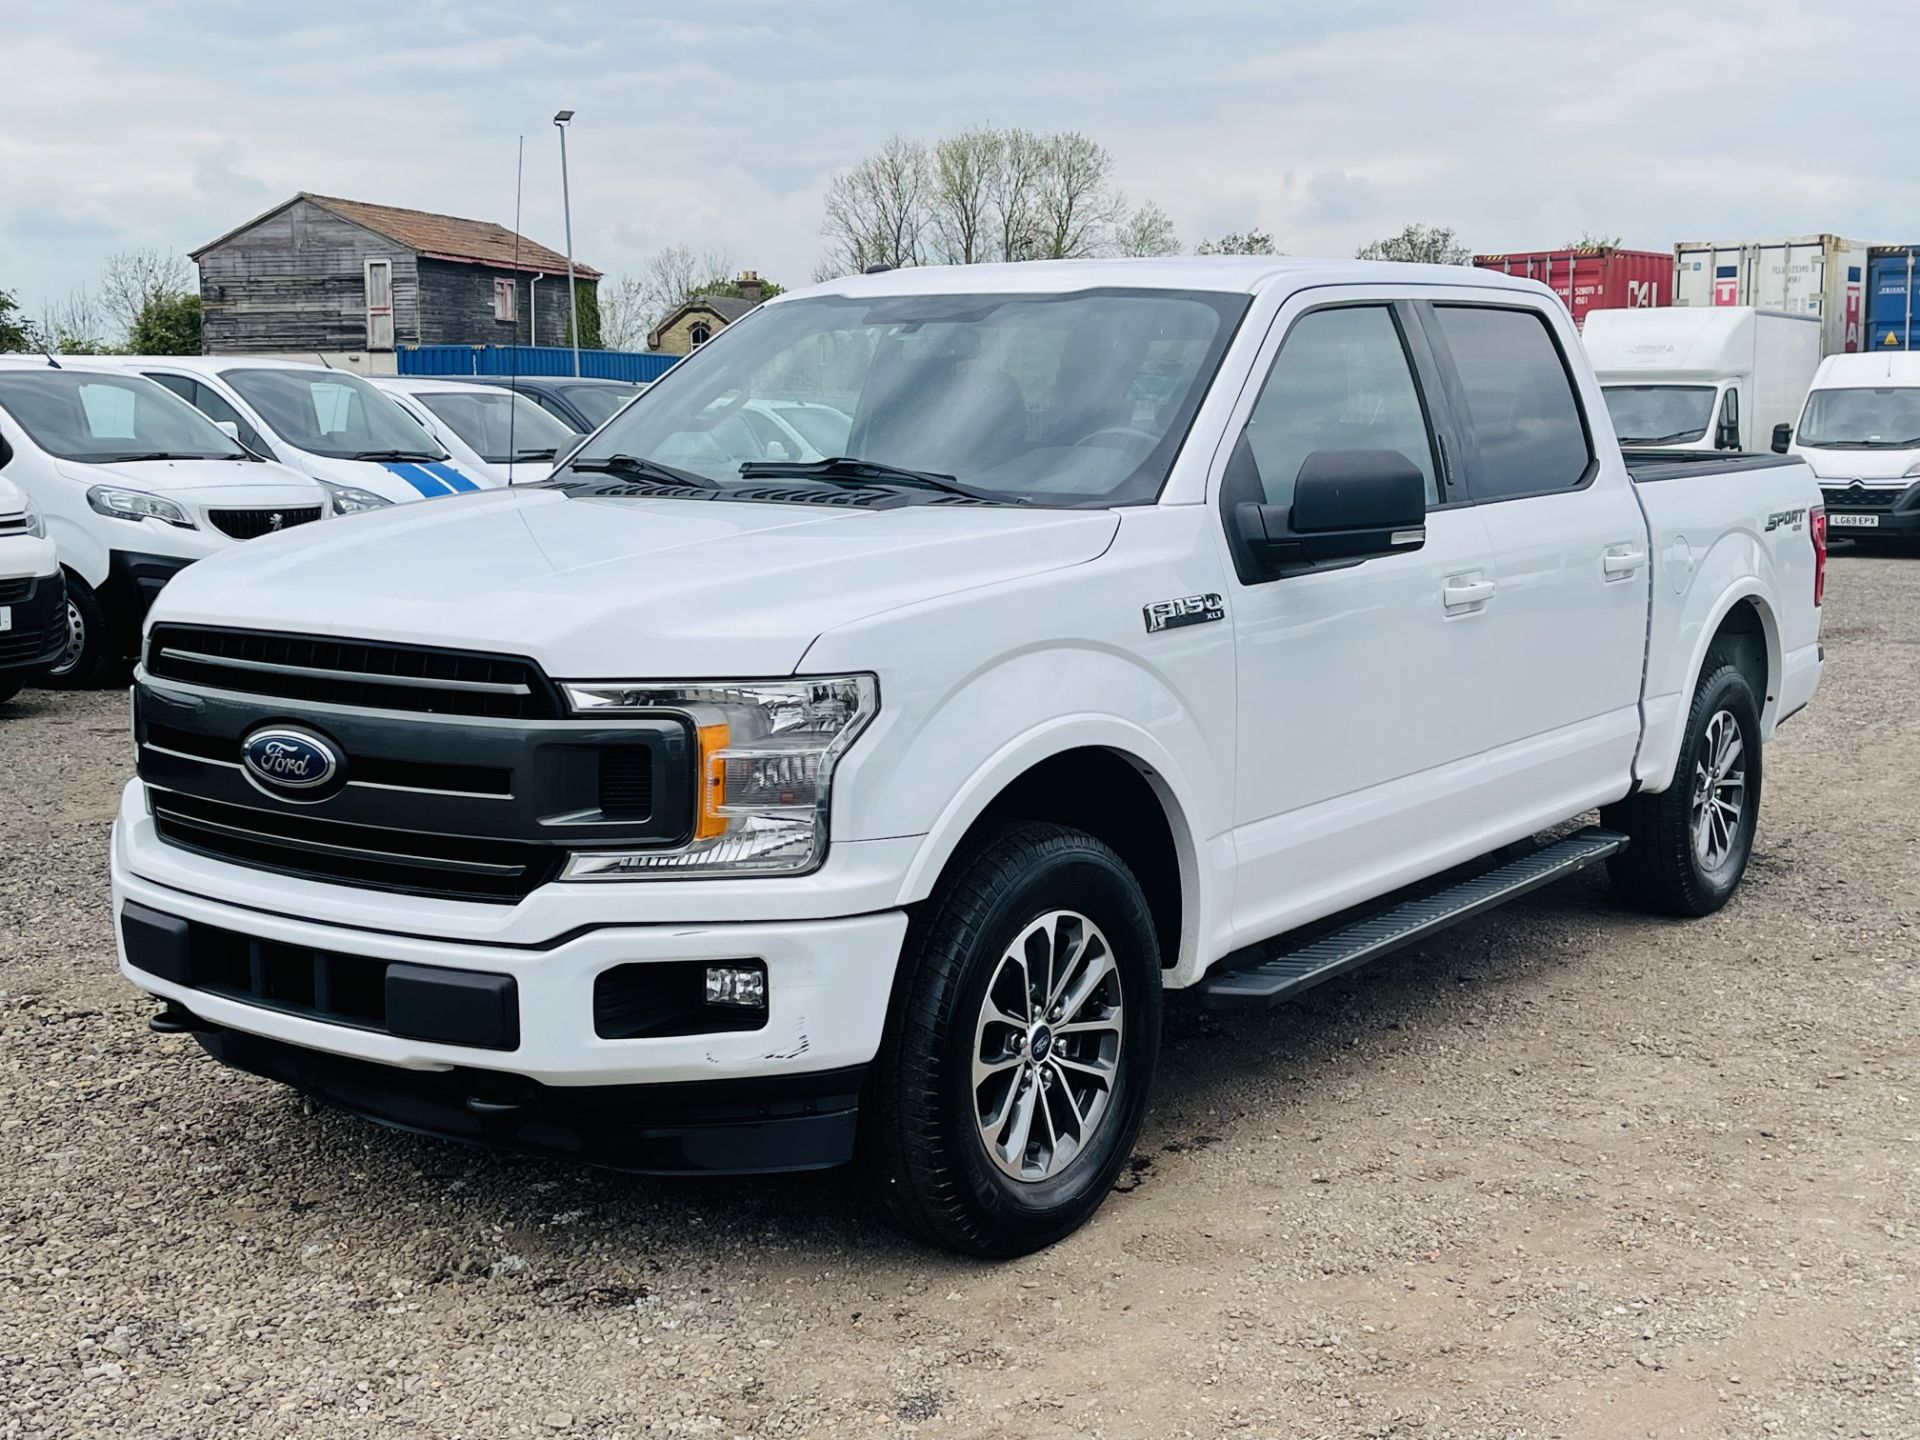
(614, 588)
(1872, 466)
(398, 481)
(190, 477)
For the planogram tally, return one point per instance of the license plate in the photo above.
(6, 618)
(1865, 521)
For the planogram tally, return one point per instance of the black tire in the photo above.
(924, 1158)
(1662, 870)
(10, 686)
(95, 657)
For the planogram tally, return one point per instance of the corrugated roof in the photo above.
(440, 237)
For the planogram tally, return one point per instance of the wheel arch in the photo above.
(1743, 622)
(1104, 778)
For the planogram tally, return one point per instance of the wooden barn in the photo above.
(320, 273)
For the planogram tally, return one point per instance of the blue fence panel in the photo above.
(530, 360)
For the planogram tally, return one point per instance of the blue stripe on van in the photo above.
(420, 480)
(440, 470)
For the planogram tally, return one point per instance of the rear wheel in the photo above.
(1012, 1080)
(1691, 842)
(10, 686)
(86, 657)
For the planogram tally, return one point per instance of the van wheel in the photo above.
(1020, 1047)
(10, 686)
(85, 659)
(1691, 842)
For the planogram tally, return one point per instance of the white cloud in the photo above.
(157, 122)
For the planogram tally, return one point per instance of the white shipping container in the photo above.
(1820, 275)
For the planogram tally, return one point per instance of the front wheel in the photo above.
(1690, 843)
(85, 658)
(1013, 1077)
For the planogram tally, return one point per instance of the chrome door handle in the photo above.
(1622, 559)
(1465, 593)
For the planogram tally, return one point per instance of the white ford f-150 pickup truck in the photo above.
(1214, 624)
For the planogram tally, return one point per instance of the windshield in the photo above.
(500, 425)
(599, 403)
(1659, 414)
(327, 412)
(1064, 399)
(97, 418)
(1886, 419)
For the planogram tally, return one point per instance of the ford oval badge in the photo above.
(292, 764)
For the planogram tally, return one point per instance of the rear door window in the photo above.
(1525, 428)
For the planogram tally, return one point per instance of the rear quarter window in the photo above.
(1529, 436)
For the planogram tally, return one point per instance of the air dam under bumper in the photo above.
(781, 1097)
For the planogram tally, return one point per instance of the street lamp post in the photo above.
(560, 121)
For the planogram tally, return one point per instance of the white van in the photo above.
(325, 423)
(1702, 379)
(134, 485)
(1860, 432)
(33, 627)
(488, 430)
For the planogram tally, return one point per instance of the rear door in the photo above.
(1569, 557)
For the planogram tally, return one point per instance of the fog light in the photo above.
(742, 986)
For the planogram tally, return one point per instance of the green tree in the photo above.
(16, 331)
(1588, 240)
(587, 300)
(1239, 242)
(166, 325)
(731, 288)
(1419, 245)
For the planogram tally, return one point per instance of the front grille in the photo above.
(415, 862)
(416, 775)
(250, 524)
(1862, 499)
(357, 673)
(19, 646)
(13, 524)
(626, 783)
(12, 592)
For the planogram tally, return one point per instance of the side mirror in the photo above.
(1782, 438)
(1348, 506)
(1728, 437)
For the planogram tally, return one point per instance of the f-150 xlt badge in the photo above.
(1187, 610)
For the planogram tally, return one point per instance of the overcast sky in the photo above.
(133, 123)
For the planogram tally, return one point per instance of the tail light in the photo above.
(1817, 523)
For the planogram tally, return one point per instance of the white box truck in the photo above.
(1716, 379)
(1821, 275)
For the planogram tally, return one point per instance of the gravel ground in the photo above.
(1566, 1172)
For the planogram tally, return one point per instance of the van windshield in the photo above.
(1862, 419)
(1659, 414)
(500, 425)
(327, 412)
(1078, 399)
(96, 418)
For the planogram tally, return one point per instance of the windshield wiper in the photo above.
(546, 454)
(1678, 437)
(166, 455)
(849, 469)
(638, 467)
(414, 455)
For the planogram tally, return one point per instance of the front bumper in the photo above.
(779, 1097)
(1890, 511)
(134, 581)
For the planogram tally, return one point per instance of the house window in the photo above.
(506, 300)
(699, 333)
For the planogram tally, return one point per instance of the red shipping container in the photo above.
(1595, 279)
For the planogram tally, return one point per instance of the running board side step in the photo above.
(1285, 973)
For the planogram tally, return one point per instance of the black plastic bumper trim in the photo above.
(759, 1125)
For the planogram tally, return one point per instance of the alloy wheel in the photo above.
(1719, 792)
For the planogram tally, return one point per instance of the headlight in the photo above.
(1912, 470)
(137, 505)
(351, 499)
(36, 522)
(766, 751)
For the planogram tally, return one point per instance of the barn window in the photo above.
(699, 333)
(506, 300)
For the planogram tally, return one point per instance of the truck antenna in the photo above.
(50, 360)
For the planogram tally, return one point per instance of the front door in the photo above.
(1360, 701)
